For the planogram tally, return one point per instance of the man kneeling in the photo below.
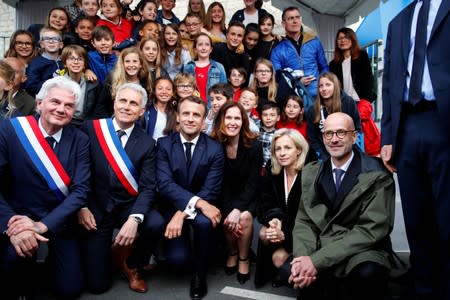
(345, 216)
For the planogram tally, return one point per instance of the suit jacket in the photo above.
(341, 230)
(176, 183)
(28, 193)
(107, 191)
(24, 103)
(241, 180)
(395, 69)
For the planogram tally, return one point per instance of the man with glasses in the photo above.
(47, 64)
(345, 216)
(299, 50)
(194, 26)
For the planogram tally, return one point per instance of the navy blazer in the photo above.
(28, 193)
(395, 69)
(107, 190)
(176, 183)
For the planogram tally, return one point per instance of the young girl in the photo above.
(160, 116)
(237, 78)
(197, 7)
(185, 86)
(173, 55)
(207, 72)
(74, 58)
(111, 16)
(215, 22)
(251, 38)
(292, 115)
(83, 29)
(264, 82)
(22, 45)
(147, 11)
(131, 66)
(152, 53)
(267, 40)
(251, 13)
(7, 75)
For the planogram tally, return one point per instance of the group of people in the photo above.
(174, 133)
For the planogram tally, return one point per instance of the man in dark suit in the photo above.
(118, 199)
(415, 137)
(44, 170)
(345, 216)
(189, 176)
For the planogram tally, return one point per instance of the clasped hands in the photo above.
(274, 234)
(303, 272)
(25, 234)
(232, 224)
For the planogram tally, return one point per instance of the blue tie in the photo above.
(188, 146)
(339, 173)
(420, 50)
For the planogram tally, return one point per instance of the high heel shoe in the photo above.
(241, 277)
(230, 270)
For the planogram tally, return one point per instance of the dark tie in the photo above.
(420, 50)
(120, 134)
(51, 141)
(339, 173)
(188, 146)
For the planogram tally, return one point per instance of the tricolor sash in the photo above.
(116, 156)
(42, 156)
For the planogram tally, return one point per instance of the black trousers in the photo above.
(366, 281)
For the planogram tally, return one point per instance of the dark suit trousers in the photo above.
(96, 247)
(20, 276)
(179, 251)
(423, 164)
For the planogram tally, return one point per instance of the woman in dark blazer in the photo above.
(277, 209)
(243, 159)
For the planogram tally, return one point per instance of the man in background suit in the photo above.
(112, 202)
(189, 176)
(44, 170)
(415, 136)
(345, 216)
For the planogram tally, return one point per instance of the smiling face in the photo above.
(110, 10)
(84, 29)
(150, 30)
(235, 35)
(51, 42)
(270, 117)
(217, 14)
(56, 110)
(340, 149)
(236, 78)
(191, 116)
(163, 91)
(170, 36)
(286, 153)
(90, 7)
(232, 121)
(58, 19)
(150, 51)
(248, 100)
(103, 45)
(132, 65)
(293, 110)
(217, 100)
(128, 107)
(193, 25)
(203, 47)
(196, 5)
(23, 45)
(326, 88)
(184, 89)
(251, 40)
(148, 12)
(75, 63)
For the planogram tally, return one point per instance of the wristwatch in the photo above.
(137, 219)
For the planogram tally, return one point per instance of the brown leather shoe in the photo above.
(135, 282)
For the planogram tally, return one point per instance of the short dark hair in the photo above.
(290, 8)
(236, 24)
(102, 31)
(222, 89)
(194, 99)
(271, 105)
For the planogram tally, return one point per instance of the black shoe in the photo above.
(199, 289)
(230, 270)
(242, 278)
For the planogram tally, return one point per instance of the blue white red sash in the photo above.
(116, 156)
(42, 156)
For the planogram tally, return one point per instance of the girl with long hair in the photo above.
(22, 45)
(264, 82)
(215, 22)
(173, 55)
(152, 53)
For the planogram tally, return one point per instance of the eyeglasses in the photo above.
(192, 24)
(263, 71)
(341, 38)
(339, 133)
(75, 59)
(293, 18)
(185, 86)
(21, 44)
(51, 39)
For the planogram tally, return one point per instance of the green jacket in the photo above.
(358, 230)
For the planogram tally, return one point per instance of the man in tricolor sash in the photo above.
(44, 170)
(189, 176)
(123, 191)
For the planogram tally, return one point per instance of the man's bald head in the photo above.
(340, 118)
(339, 135)
(18, 66)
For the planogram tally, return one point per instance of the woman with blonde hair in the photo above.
(277, 209)
(7, 74)
(197, 7)
(215, 22)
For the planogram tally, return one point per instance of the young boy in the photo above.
(220, 93)
(249, 100)
(149, 28)
(102, 60)
(270, 115)
(165, 15)
(46, 65)
(237, 77)
(194, 26)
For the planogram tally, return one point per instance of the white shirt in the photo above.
(161, 122)
(124, 138)
(347, 78)
(190, 207)
(344, 167)
(286, 188)
(56, 136)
